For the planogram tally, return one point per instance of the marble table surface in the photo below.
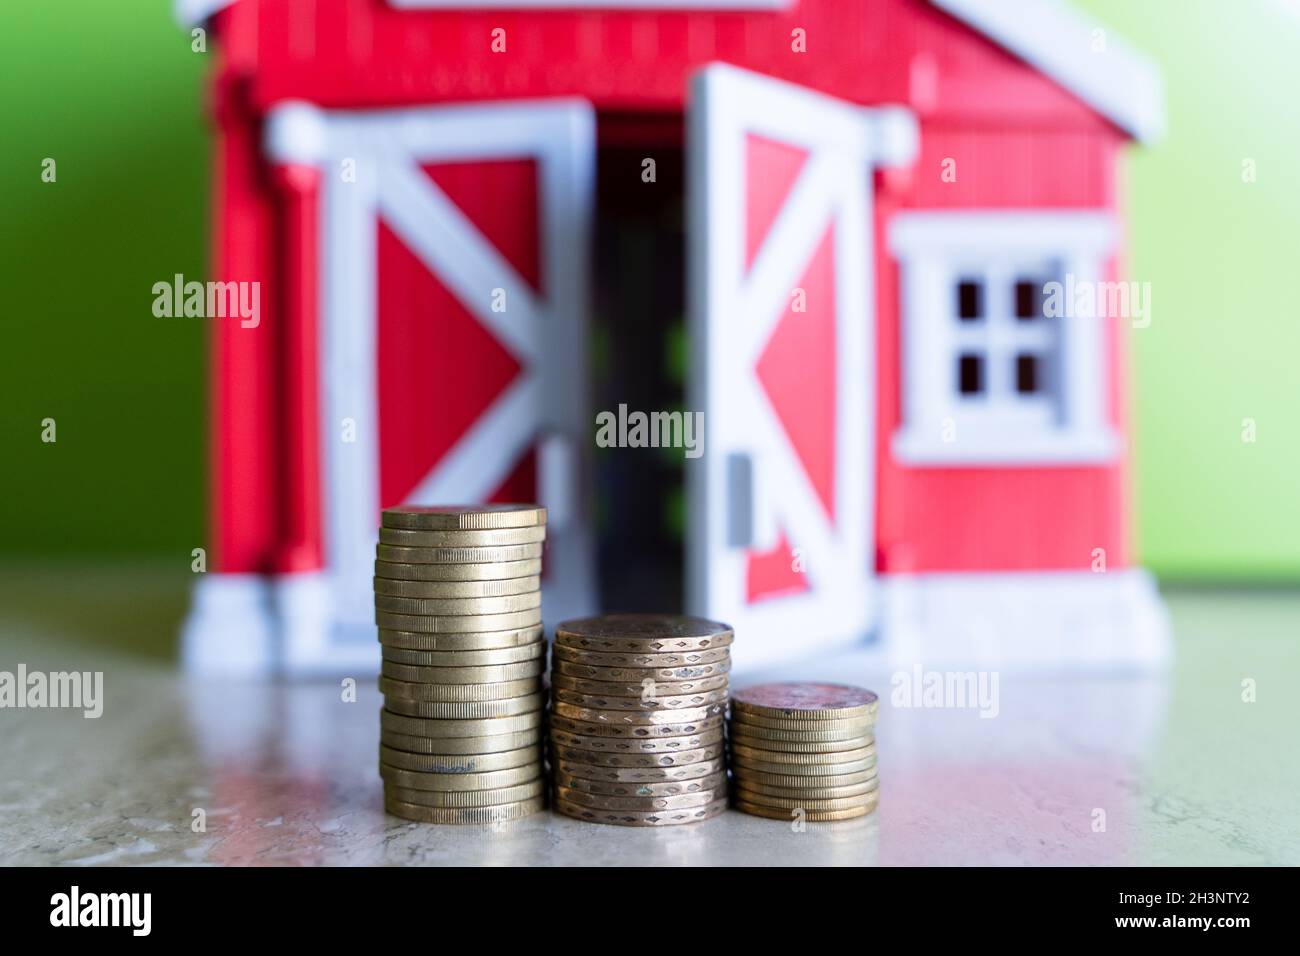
(1173, 769)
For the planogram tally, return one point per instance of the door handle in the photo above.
(740, 500)
(556, 477)
(751, 519)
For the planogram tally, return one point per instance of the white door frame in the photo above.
(546, 335)
(733, 313)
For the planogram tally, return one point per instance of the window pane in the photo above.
(1028, 381)
(970, 374)
(1029, 299)
(970, 304)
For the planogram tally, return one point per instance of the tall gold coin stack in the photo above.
(804, 749)
(637, 709)
(458, 604)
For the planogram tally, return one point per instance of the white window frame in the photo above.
(935, 250)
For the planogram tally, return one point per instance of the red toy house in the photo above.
(893, 227)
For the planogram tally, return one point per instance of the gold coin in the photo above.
(646, 804)
(809, 816)
(461, 747)
(479, 641)
(629, 818)
(466, 798)
(485, 571)
(664, 645)
(483, 674)
(690, 771)
(487, 658)
(635, 675)
(461, 693)
(445, 590)
(398, 554)
(457, 782)
(740, 765)
(642, 633)
(466, 764)
(757, 779)
(457, 606)
(607, 702)
(459, 623)
(858, 732)
(795, 747)
(649, 689)
(662, 788)
(459, 727)
(598, 758)
(634, 718)
(806, 700)
(465, 709)
(805, 803)
(681, 659)
(464, 815)
(859, 725)
(636, 731)
(759, 790)
(462, 517)
(628, 745)
(486, 538)
(803, 759)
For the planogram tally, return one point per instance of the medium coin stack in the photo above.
(804, 747)
(638, 703)
(458, 604)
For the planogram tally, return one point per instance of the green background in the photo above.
(1220, 254)
(113, 93)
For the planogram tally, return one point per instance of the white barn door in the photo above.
(453, 314)
(782, 320)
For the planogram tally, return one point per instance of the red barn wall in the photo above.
(245, 382)
(1019, 139)
(341, 53)
(1000, 518)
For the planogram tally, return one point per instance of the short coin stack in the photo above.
(458, 604)
(638, 703)
(804, 748)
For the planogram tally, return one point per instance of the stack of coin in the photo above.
(458, 604)
(638, 703)
(804, 750)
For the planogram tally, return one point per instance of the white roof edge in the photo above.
(191, 13)
(1057, 39)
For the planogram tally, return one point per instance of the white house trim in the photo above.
(348, 393)
(942, 428)
(1073, 49)
(1032, 232)
(193, 12)
(297, 133)
(230, 629)
(1065, 621)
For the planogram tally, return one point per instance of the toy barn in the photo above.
(831, 226)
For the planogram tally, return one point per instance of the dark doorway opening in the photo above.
(639, 358)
